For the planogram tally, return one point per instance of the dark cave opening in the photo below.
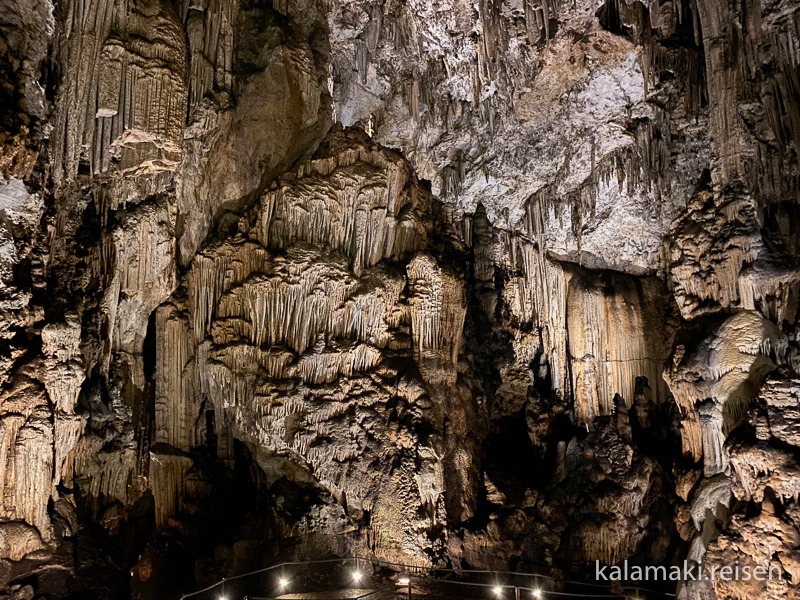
(510, 452)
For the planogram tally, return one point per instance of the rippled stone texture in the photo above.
(302, 335)
(491, 284)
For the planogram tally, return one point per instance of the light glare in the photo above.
(283, 582)
(537, 593)
(357, 576)
(404, 581)
(498, 590)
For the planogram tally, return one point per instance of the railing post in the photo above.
(516, 593)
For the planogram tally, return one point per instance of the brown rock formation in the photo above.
(483, 284)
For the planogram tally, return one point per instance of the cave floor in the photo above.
(366, 594)
(346, 594)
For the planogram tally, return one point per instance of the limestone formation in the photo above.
(496, 284)
(296, 333)
(764, 469)
(715, 384)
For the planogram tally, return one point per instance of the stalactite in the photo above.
(537, 294)
(107, 475)
(26, 456)
(177, 401)
(715, 384)
(437, 318)
(213, 275)
(774, 292)
(168, 474)
(611, 342)
(143, 273)
(132, 105)
(705, 271)
(361, 61)
(284, 330)
(356, 216)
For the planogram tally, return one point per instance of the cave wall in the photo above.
(493, 284)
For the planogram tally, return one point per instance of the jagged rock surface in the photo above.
(323, 335)
(556, 323)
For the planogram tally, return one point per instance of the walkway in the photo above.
(370, 579)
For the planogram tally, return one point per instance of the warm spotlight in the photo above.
(357, 576)
(283, 582)
(403, 581)
(537, 593)
(498, 590)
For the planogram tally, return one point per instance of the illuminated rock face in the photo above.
(327, 334)
(493, 284)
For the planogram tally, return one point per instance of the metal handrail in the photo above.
(265, 570)
(361, 597)
(412, 568)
